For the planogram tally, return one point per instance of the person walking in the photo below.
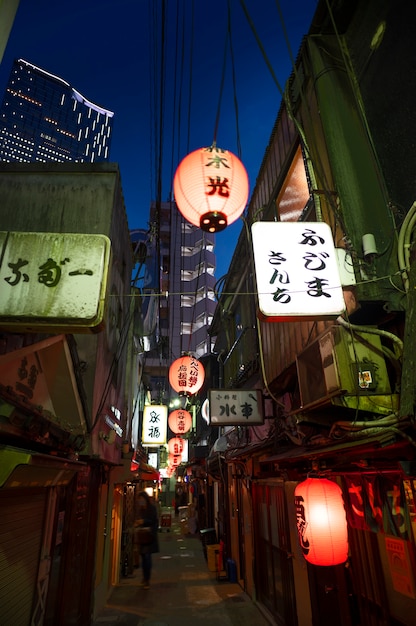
(147, 526)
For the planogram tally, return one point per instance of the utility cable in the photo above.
(260, 45)
(224, 64)
(239, 150)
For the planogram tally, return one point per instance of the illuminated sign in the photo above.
(296, 271)
(53, 282)
(235, 407)
(155, 420)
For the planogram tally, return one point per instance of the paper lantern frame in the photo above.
(211, 188)
(321, 522)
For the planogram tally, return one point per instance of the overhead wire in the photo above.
(239, 149)
(221, 89)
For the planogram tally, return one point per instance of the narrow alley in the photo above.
(183, 591)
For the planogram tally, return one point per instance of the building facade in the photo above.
(338, 394)
(67, 396)
(43, 118)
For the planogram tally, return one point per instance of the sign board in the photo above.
(53, 282)
(296, 271)
(155, 424)
(228, 407)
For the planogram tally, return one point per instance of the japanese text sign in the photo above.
(235, 407)
(155, 417)
(53, 281)
(296, 271)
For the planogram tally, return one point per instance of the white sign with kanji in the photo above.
(53, 281)
(155, 424)
(296, 271)
(241, 407)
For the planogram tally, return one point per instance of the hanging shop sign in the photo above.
(296, 271)
(211, 188)
(154, 424)
(229, 407)
(321, 521)
(53, 282)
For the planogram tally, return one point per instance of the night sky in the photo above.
(110, 51)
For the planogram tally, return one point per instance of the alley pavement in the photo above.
(183, 591)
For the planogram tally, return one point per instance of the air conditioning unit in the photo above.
(346, 369)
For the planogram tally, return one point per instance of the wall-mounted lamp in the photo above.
(369, 247)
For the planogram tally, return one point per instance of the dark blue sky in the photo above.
(106, 50)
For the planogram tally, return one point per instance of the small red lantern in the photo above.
(321, 522)
(186, 375)
(211, 188)
(180, 421)
(176, 445)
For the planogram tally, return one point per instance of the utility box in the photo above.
(346, 369)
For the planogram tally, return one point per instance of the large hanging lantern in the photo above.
(321, 522)
(211, 188)
(180, 421)
(186, 375)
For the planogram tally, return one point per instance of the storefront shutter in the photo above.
(21, 523)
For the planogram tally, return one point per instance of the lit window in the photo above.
(294, 193)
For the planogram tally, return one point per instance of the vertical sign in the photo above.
(154, 424)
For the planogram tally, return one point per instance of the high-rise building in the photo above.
(179, 293)
(43, 118)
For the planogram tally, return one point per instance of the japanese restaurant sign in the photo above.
(155, 419)
(229, 407)
(53, 282)
(297, 271)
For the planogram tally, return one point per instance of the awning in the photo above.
(384, 447)
(147, 472)
(123, 473)
(25, 468)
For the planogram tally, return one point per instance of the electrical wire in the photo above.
(260, 45)
(221, 90)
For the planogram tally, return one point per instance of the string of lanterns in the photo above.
(186, 377)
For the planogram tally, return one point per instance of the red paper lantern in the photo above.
(176, 445)
(211, 188)
(186, 375)
(174, 460)
(180, 421)
(321, 522)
